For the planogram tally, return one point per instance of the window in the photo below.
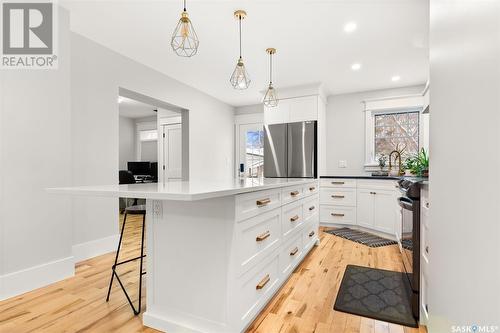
(393, 130)
(254, 153)
(148, 135)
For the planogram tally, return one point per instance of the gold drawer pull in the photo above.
(338, 196)
(263, 282)
(312, 188)
(263, 236)
(338, 214)
(294, 252)
(311, 208)
(295, 218)
(263, 202)
(311, 233)
(294, 193)
(338, 183)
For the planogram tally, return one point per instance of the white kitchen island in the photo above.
(217, 251)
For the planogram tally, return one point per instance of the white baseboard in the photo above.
(84, 251)
(16, 283)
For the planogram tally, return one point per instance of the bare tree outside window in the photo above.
(397, 128)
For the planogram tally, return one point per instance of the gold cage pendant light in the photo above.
(240, 79)
(270, 98)
(184, 41)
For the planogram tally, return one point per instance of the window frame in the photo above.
(370, 160)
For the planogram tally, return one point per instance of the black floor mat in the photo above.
(361, 237)
(376, 293)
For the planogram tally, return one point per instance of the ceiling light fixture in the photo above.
(184, 39)
(270, 98)
(356, 67)
(350, 27)
(240, 79)
(395, 78)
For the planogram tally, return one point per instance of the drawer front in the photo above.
(292, 218)
(256, 238)
(310, 232)
(338, 182)
(290, 254)
(338, 196)
(378, 184)
(311, 189)
(255, 288)
(255, 203)
(338, 214)
(292, 193)
(310, 207)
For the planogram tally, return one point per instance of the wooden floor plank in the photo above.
(304, 304)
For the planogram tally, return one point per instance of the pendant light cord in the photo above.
(240, 34)
(184, 5)
(270, 68)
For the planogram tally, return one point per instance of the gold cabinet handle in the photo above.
(263, 202)
(311, 208)
(338, 214)
(312, 188)
(294, 218)
(338, 183)
(263, 236)
(263, 282)
(311, 233)
(373, 192)
(294, 251)
(294, 193)
(338, 196)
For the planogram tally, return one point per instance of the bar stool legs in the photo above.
(141, 273)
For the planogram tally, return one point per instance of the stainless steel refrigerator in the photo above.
(290, 150)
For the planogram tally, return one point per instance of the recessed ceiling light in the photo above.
(350, 27)
(395, 78)
(356, 67)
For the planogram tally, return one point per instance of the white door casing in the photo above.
(172, 151)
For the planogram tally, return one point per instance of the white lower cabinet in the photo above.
(369, 204)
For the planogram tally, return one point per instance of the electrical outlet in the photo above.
(342, 164)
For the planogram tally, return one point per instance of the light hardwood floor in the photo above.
(303, 305)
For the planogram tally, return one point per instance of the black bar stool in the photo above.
(132, 210)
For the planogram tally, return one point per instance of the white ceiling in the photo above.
(391, 39)
(130, 108)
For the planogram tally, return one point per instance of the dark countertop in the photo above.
(415, 179)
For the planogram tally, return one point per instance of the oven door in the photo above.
(407, 231)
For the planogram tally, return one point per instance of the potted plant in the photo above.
(418, 164)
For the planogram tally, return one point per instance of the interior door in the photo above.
(172, 151)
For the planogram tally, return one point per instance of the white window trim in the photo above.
(411, 103)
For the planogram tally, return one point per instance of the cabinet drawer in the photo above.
(292, 218)
(256, 238)
(338, 214)
(310, 207)
(255, 288)
(378, 184)
(311, 189)
(310, 232)
(338, 196)
(292, 193)
(255, 203)
(338, 182)
(290, 254)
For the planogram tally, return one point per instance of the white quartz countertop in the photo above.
(183, 190)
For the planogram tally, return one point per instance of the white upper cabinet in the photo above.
(292, 110)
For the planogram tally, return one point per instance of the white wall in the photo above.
(464, 258)
(35, 154)
(126, 141)
(345, 128)
(97, 74)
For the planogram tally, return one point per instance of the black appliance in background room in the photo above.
(290, 150)
(410, 237)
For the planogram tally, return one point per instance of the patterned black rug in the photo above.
(376, 293)
(361, 237)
